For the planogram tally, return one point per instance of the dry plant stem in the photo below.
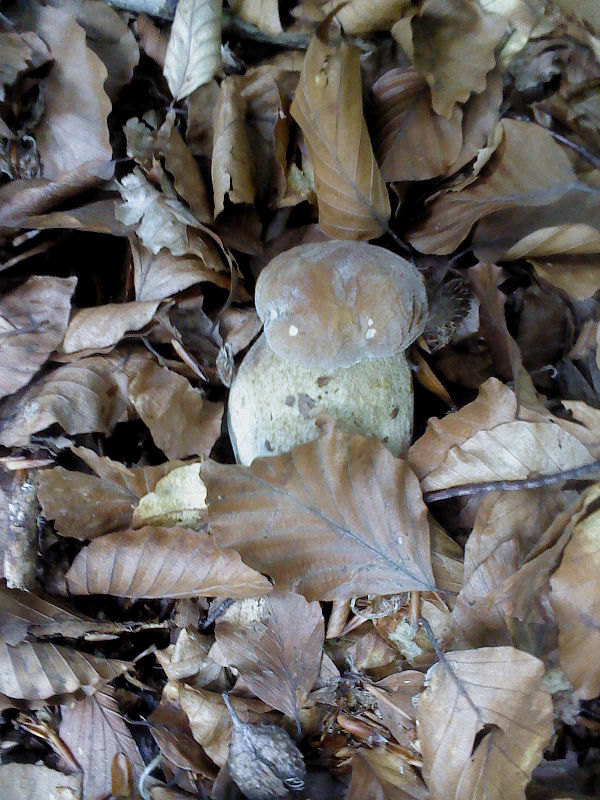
(415, 610)
(578, 473)
(577, 148)
(216, 612)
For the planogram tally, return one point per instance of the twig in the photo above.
(146, 773)
(578, 473)
(582, 151)
(216, 612)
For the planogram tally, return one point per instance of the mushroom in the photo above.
(338, 316)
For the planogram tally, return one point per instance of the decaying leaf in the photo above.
(162, 562)
(412, 142)
(484, 721)
(194, 51)
(262, 13)
(104, 326)
(278, 654)
(454, 43)
(364, 16)
(182, 422)
(352, 197)
(95, 732)
(511, 178)
(37, 782)
(334, 518)
(33, 321)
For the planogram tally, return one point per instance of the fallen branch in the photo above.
(578, 473)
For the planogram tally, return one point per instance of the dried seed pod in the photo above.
(263, 760)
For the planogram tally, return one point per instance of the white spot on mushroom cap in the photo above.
(293, 331)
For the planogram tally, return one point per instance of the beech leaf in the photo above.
(162, 562)
(178, 500)
(104, 326)
(335, 518)
(262, 13)
(37, 782)
(351, 194)
(194, 51)
(279, 654)
(483, 723)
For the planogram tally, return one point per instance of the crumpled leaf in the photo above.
(86, 506)
(104, 326)
(32, 671)
(510, 451)
(351, 194)
(178, 500)
(278, 655)
(73, 130)
(162, 562)
(510, 179)
(483, 723)
(170, 729)
(20, 53)
(182, 422)
(575, 602)
(364, 16)
(194, 51)
(412, 142)
(335, 518)
(232, 158)
(33, 321)
(95, 732)
(37, 782)
(454, 43)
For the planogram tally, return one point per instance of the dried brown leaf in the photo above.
(37, 782)
(32, 671)
(33, 320)
(278, 655)
(351, 194)
(21, 52)
(262, 13)
(364, 16)
(510, 451)
(334, 518)
(454, 43)
(94, 329)
(154, 40)
(189, 659)
(178, 500)
(510, 179)
(481, 115)
(575, 602)
(232, 158)
(483, 723)
(194, 51)
(86, 506)
(412, 142)
(73, 130)
(95, 732)
(182, 422)
(171, 730)
(495, 405)
(162, 562)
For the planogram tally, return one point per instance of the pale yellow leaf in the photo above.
(178, 500)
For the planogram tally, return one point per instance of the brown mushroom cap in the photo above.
(333, 304)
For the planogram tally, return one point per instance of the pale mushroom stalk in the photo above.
(338, 317)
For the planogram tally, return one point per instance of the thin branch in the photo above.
(214, 614)
(582, 151)
(584, 472)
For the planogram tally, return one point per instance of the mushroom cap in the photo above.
(274, 405)
(332, 304)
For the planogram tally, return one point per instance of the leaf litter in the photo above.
(332, 621)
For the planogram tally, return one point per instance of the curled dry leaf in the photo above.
(33, 671)
(94, 329)
(335, 518)
(510, 451)
(182, 422)
(575, 602)
(278, 655)
(153, 40)
(351, 194)
(481, 115)
(483, 723)
(412, 142)
(510, 179)
(85, 506)
(178, 500)
(194, 51)
(171, 731)
(162, 562)
(33, 321)
(37, 782)
(73, 130)
(189, 659)
(95, 732)
(364, 16)
(454, 43)
(232, 158)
